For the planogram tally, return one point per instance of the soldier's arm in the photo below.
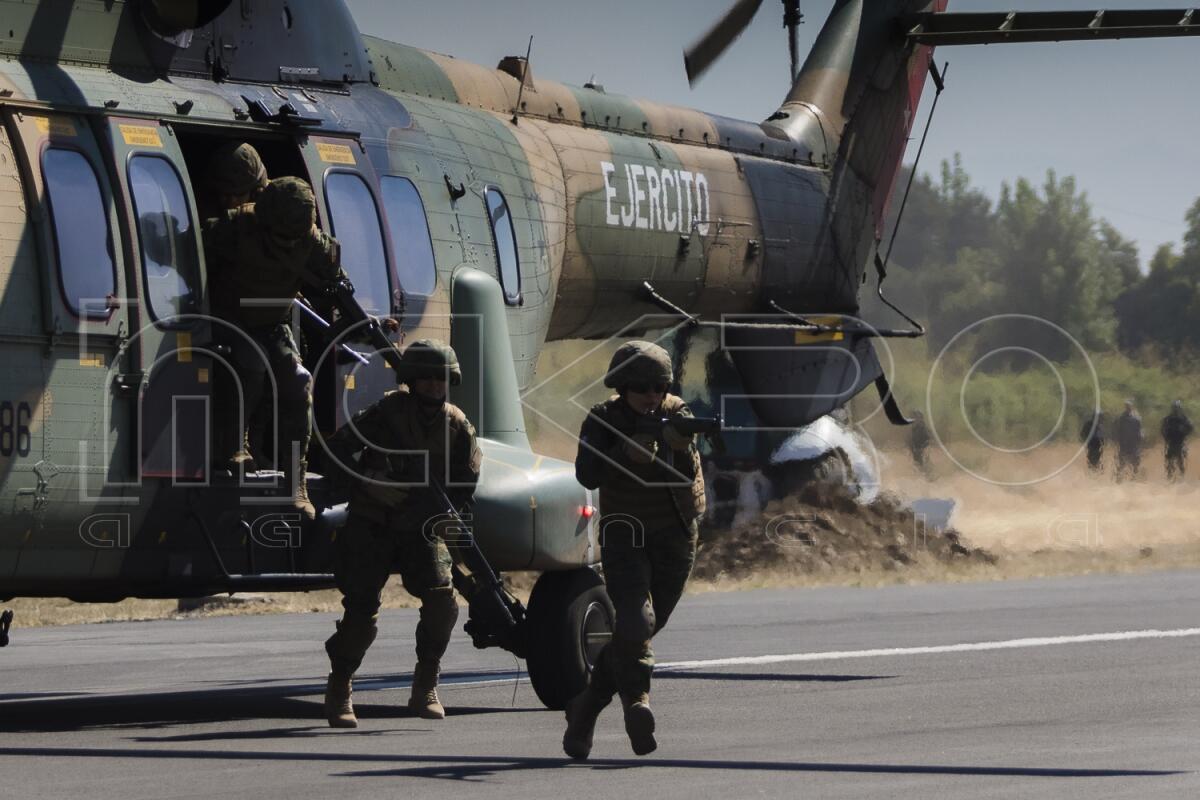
(676, 439)
(598, 444)
(323, 268)
(362, 431)
(464, 465)
(219, 239)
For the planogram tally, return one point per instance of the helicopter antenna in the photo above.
(524, 77)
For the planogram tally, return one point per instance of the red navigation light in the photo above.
(587, 512)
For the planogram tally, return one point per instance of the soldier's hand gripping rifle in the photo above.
(361, 325)
(684, 425)
(496, 617)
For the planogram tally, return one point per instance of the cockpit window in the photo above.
(82, 237)
(410, 235)
(356, 227)
(505, 239)
(168, 240)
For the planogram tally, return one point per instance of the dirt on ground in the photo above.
(822, 532)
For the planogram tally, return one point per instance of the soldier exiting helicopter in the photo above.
(261, 255)
(400, 450)
(651, 496)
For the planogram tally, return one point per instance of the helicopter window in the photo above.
(168, 241)
(82, 236)
(410, 235)
(356, 226)
(505, 240)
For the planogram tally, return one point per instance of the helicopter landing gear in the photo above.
(5, 623)
(570, 621)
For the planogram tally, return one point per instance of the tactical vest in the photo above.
(253, 280)
(395, 423)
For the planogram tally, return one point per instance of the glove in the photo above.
(640, 448)
(675, 439)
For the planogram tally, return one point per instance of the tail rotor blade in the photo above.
(701, 55)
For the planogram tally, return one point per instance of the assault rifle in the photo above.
(496, 617)
(653, 424)
(364, 327)
(685, 425)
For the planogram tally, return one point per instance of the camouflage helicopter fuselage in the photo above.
(103, 492)
(490, 207)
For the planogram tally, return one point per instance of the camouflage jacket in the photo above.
(252, 280)
(667, 491)
(441, 449)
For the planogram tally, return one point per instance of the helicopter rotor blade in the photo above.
(701, 55)
(792, 18)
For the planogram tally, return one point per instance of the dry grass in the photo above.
(1074, 523)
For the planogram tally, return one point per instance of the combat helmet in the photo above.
(429, 358)
(286, 208)
(638, 362)
(236, 169)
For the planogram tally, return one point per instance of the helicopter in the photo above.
(490, 207)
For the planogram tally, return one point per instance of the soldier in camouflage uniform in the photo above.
(234, 176)
(651, 497)
(390, 507)
(260, 256)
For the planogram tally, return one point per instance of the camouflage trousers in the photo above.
(644, 575)
(367, 551)
(259, 357)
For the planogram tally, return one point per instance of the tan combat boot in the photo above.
(339, 710)
(424, 701)
(582, 711)
(639, 723)
(296, 485)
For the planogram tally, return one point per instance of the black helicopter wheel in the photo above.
(570, 620)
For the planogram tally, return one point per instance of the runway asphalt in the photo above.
(1064, 688)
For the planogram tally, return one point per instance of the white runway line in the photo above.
(1010, 644)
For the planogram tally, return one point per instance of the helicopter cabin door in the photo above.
(65, 408)
(345, 186)
(175, 359)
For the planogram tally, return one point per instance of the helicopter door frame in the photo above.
(89, 431)
(350, 386)
(176, 367)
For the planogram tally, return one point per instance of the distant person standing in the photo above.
(1176, 428)
(1092, 433)
(918, 442)
(1129, 442)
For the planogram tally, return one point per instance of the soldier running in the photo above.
(398, 448)
(651, 496)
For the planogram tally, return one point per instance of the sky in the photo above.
(1122, 117)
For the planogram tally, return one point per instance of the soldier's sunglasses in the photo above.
(647, 388)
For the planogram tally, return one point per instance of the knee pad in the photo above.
(634, 624)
